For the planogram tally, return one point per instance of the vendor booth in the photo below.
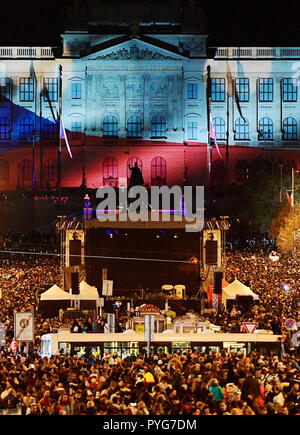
(137, 323)
(87, 298)
(52, 300)
(189, 323)
(238, 294)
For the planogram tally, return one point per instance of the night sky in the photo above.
(234, 23)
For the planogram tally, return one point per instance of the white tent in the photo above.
(236, 288)
(54, 294)
(87, 292)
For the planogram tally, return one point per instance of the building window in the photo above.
(49, 129)
(218, 90)
(110, 126)
(110, 172)
(218, 172)
(289, 88)
(27, 89)
(76, 130)
(290, 129)
(219, 125)
(241, 129)
(158, 172)
(241, 171)
(192, 130)
(26, 127)
(50, 171)
(4, 170)
(4, 88)
(51, 89)
(4, 128)
(158, 127)
(131, 163)
(25, 171)
(242, 89)
(265, 129)
(134, 126)
(266, 90)
(76, 91)
(192, 91)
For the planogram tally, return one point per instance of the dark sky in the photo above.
(229, 22)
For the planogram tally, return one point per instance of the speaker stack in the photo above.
(217, 282)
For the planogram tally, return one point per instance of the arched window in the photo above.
(219, 125)
(158, 172)
(50, 171)
(265, 129)
(110, 172)
(4, 128)
(218, 172)
(4, 170)
(110, 126)
(241, 171)
(49, 129)
(26, 127)
(131, 163)
(241, 129)
(134, 126)
(158, 126)
(25, 174)
(290, 129)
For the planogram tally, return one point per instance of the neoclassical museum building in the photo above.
(143, 90)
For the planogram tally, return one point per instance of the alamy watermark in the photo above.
(154, 205)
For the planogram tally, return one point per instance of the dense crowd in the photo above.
(187, 384)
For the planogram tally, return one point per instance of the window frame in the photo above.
(4, 128)
(218, 90)
(266, 90)
(286, 91)
(218, 126)
(243, 89)
(192, 91)
(75, 93)
(49, 84)
(160, 128)
(294, 126)
(26, 89)
(238, 129)
(113, 127)
(262, 127)
(138, 129)
(5, 95)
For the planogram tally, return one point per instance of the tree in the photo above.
(288, 236)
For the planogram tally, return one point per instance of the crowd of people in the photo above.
(187, 384)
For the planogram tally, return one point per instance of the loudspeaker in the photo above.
(75, 283)
(211, 257)
(217, 283)
(75, 252)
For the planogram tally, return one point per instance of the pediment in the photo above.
(133, 49)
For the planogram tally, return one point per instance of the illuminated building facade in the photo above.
(136, 91)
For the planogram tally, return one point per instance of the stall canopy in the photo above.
(55, 294)
(87, 292)
(236, 288)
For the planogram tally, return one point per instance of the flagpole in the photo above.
(60, 139)
(208, 92)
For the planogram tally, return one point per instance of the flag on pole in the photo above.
(63, 135)
(214, 136)
(279, 195)
(289, 194)
(237, 101)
